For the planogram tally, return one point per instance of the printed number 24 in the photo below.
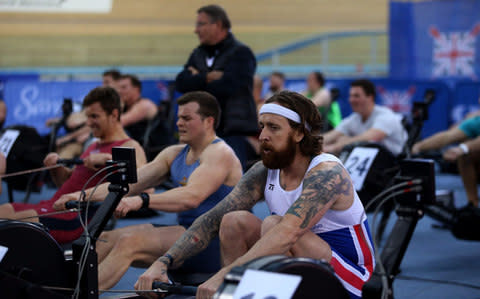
(252, 295)
(358, 165)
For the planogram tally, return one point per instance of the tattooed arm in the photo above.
(326, 186)
(244, 196)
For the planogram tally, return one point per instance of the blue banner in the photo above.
(156, 90)
(32, 102)
(435, 39)
(399, 95)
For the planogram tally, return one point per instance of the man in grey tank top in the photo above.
(217, 168)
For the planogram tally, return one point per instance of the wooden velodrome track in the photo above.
(158, 32)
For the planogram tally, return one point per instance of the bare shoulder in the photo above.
(329, 180)
(218, 152)
(139, 152)
(133, 143)
(327, 170)
(170, 153)
(147, 103)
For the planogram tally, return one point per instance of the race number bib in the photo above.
(3, 251)
(257, 284)
(358, 164)
(7, 140)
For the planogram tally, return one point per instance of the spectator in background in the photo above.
(277, 84)
(224, 67)
(110, 78)
(72, 144)
(137, 111)
(466, 154)
(321, 97)
(368, 122)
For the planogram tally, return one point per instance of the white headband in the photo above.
(282, 111)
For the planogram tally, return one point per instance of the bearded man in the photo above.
(316, 212)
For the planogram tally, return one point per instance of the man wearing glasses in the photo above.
(224, 67)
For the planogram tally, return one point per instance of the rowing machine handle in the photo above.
(75, 204)
(69, 162)
(175, 288)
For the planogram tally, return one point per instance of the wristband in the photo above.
(145, 200)
(464, 148)
(170, 259)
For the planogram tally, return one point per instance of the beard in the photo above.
(278, 159)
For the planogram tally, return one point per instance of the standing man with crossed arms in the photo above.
(316, 211)
(224, 67)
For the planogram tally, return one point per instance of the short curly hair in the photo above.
(106, 96)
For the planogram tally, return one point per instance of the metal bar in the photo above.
(325, 53)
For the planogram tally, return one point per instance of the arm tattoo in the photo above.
(244, 196)
(319, 188)
(165, 261)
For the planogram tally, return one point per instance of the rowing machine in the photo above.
(46, 265)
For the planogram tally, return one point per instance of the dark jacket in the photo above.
(233, 91)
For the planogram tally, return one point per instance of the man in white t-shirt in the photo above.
(368, 122)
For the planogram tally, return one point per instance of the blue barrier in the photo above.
(155, 90)
(91, 70)
(169, 72)
(33, 102)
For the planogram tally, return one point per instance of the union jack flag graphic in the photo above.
(454, 52)
(398, 100)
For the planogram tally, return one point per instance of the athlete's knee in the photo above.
(270, 222)
(106, 236)
(128, 243)
(7, 211)
(234, 224)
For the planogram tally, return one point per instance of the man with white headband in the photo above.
(316, 212)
